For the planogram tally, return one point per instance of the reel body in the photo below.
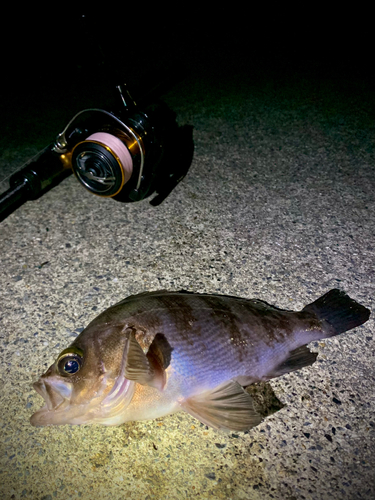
(116, 155)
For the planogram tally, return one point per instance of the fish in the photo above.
(160, 352)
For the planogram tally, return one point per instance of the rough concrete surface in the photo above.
(278, 204)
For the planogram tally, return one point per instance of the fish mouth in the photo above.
(52, 397)
(60, 408)
(57, 399)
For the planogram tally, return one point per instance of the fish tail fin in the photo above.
(339, 310)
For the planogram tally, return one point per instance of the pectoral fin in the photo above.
(145, 369)
(226, 407)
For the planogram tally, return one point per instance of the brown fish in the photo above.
(160, 352)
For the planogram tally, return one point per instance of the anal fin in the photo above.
(297, 359)
(226, 407)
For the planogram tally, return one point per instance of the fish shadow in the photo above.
(264, 399)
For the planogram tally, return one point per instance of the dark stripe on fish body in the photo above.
(224, 313)
(240, 317)
(232, 317)
(182, 314)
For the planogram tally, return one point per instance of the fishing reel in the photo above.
(116, 155)
(125, 155)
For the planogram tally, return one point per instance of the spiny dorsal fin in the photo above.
(143, 295)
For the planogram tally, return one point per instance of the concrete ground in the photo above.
(278, 204)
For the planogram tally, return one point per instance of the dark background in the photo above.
(55, 63)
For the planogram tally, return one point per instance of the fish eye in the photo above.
(70, 361)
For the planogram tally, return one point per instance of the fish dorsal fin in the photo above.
(143, 295)
(227, 407)
(298, 358)
(147, 369)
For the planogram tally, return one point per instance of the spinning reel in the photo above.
(126, 154)
(121, 155)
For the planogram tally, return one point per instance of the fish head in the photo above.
(86, 383)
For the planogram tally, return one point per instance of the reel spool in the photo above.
(108, 154)
(103, 162)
